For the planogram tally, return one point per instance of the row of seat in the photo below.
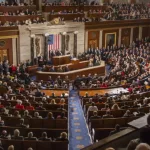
(133, 97)
(42, 113)
(37, 132)
(120, 104)
(37, 123)
(110, 122)
(46, 106)
(36, 145)
(118, 113)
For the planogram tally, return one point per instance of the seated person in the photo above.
(95, 115)
(106, 108)
(145, 103)
(62, 116)
(11, 147)
(26, 115)
(29, 107)
(38, 93)
(63, 137)
(16, 135)
(50, 116)
(62, 101)
(19, 105)
(66, 68)
(117, 129)
(17, 114)
(22, 125)
(53, 102)
(139, 113)
(125, 106)
(61, 108)
(92, 108)
(115, 107)
(90, 101)
(135, 104)
(37, 116)
(52, 69)
(107, 115)
(4, 135)
(2, 122)
(30, 137)
(40, 107)
(86, 94)
(128, 114)
(44, 137)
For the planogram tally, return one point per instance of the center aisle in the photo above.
(79, 136)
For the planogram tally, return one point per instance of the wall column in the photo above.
(46, 54)
(38, 4)
(75, 44)
(100, 39)
(131, 36)
(140, 32)
(14, 49)
(18, 50)
(119, 37)
(63, 37)
(86, 41)
(32, 47)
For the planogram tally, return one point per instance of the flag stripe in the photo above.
(54, 42)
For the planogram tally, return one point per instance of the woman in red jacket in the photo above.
(19, 105)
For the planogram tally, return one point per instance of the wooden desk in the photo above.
(15, 8)
(32, 69)
(60, 60)
(72, 66)
(66, 16)
(72, 74)
(19, 18)
(92, 92)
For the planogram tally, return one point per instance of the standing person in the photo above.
(1, 68)
(6, 66)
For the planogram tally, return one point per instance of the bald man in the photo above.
(110, 148)
(143, 146)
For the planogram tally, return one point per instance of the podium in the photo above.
(60, 60)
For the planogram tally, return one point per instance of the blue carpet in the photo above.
(107, 69)
(79, 136)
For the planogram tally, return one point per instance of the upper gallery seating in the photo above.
(14, 15)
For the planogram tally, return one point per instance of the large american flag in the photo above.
(54, 42)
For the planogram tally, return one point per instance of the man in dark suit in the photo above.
(22, 125)
(17, 136)
(117, 129)
(52, 69)
(107, 115)
(38, 93)
(95, 115)
(30, 137)
(66, 69)
(44, 137)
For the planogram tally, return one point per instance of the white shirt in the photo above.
(92, 108)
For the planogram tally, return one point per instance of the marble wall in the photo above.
(40, 31)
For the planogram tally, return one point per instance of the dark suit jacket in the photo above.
(45, 139)
(61, 139)
(30, 139)
(17, 138)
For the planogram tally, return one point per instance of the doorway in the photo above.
(3, 55)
